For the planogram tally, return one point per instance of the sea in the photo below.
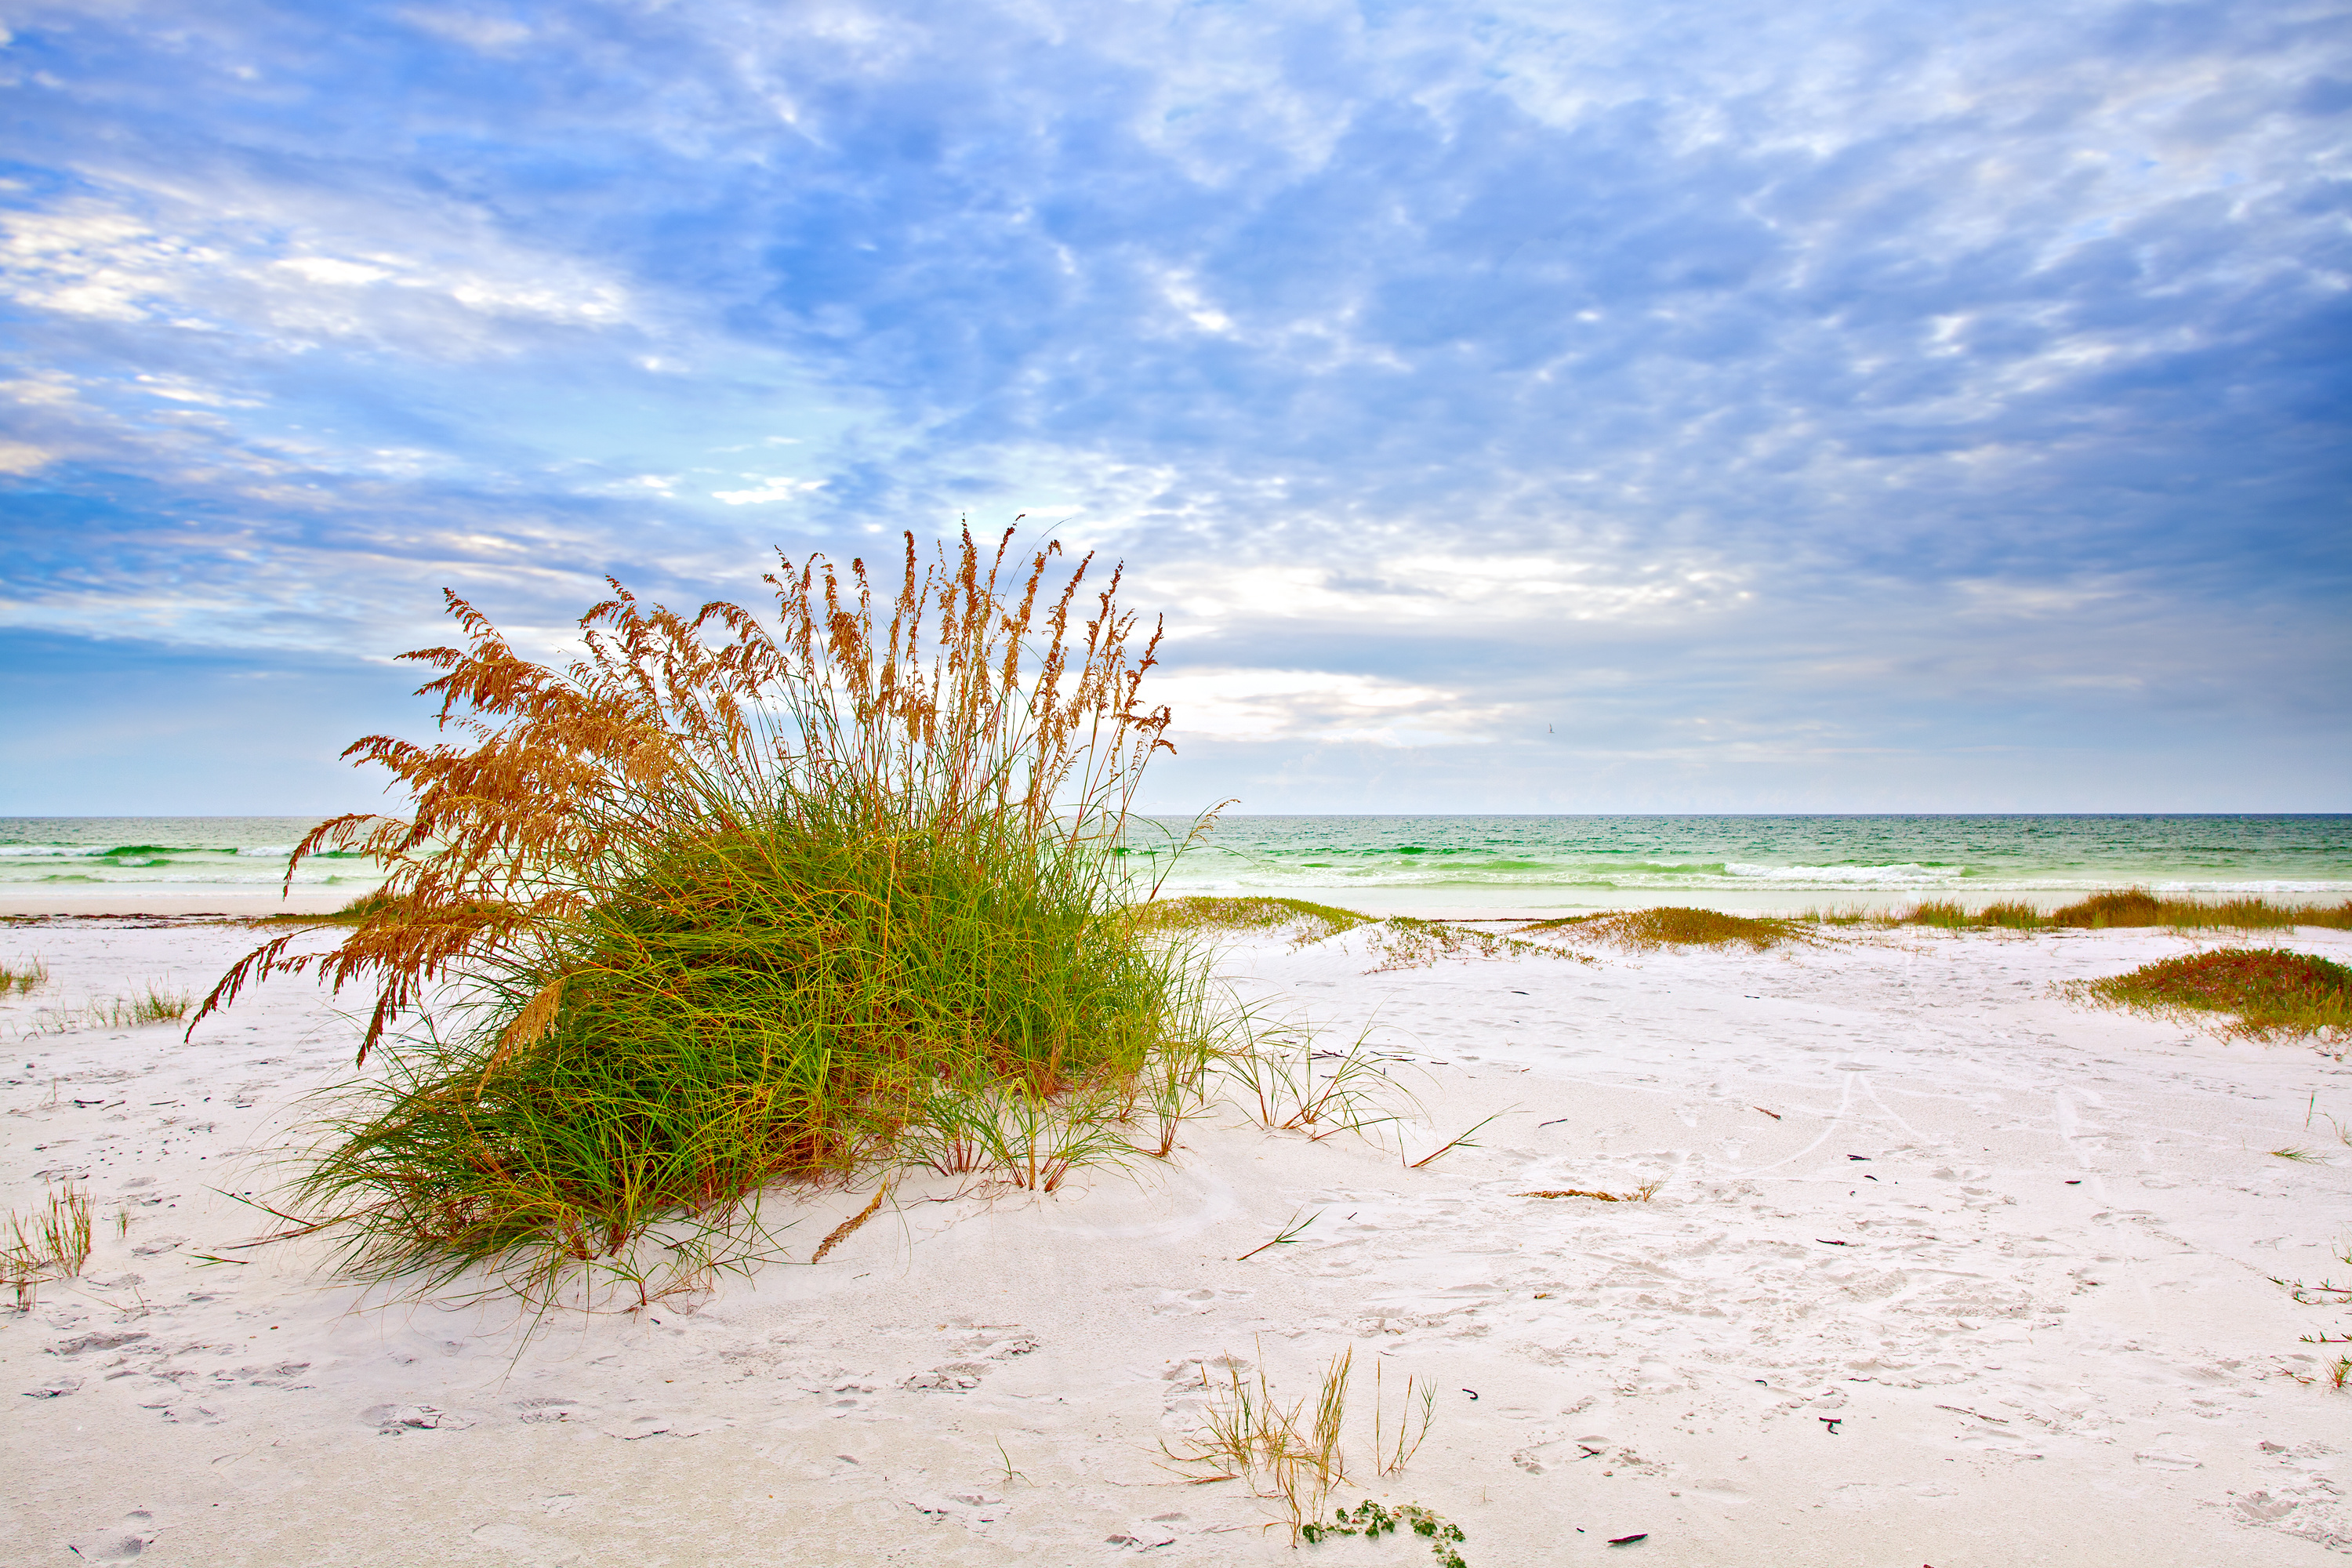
(1385, 864)
(1539, 864)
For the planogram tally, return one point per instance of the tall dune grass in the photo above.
(718, 907)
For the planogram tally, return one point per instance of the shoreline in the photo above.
(142, 904)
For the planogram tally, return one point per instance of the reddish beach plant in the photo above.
(2269, 991)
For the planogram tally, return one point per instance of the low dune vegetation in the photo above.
(720, 907)
(2126, 908)
(2260, 993)
(2138, 907)
(1397, 942)
(1303, 921)
(1671, 926)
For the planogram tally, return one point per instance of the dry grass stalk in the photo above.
(1640, 1195)
(842, 1232)
(1389, 1455)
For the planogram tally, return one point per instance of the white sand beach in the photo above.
(1943, 1270)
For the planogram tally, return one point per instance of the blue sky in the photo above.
(1513, 407)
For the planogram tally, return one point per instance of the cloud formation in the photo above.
(1719, 390)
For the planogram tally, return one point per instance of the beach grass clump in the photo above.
(717, 907)
(1306, 922)
(1672, 926)
(2123, 908)
(1294, 1453)
(29, 975)
(53, 1243)
(150, 1006)
(1848, 915)
(1947, 914)
(2138, 907)
(2267, 991)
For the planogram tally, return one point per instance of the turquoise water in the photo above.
(1760, 861)
(85, 855)
(1535, 862)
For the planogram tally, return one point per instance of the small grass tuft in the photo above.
(29, 975)
(2271, 991)
(150, 1006)
(1294, 1454)
(50, 1244)
(1847, 915)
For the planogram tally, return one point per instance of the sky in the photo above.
(1636, 407)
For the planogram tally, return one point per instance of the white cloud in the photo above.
(473, 28)
(1428, 588)
(86, 259)
(768, 489)
(1314, 704)
(333, 269)
(210, 266)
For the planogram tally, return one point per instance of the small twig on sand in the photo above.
(841, 1232)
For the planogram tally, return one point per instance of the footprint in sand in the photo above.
(116, 1543)
(395, 1420)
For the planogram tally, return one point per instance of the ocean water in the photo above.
(1752, 862)
(80, 856)
(1399, 862)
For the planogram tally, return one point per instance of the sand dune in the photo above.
(1993, 1286)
